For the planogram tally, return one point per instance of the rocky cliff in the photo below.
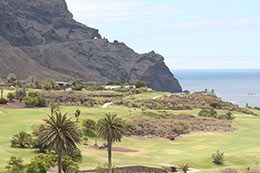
(40, 37)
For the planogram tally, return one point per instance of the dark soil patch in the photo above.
(127, 150)
(14, 105)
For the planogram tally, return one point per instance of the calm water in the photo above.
(237, 86)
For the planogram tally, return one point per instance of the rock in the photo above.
(42, 36)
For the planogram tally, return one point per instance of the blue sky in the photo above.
(190, 34)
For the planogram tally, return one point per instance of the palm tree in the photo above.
(61, 134)
(54, 107)
(77, 114)
(110, 129)
(21, 139)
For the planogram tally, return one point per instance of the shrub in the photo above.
(181, 128)
(69, 166)
(78, 87)
(172, 138)
(11, 96)
(15, 165)
(204, 113)
(42, 162)
(21, 139)
(229, 116)
(140, 84)
(75, 154)
(226, 116)
(208, 113)
(229, 170)
(90, 126)
(218, 157)
(47, 86)
(253, 171)
(3, 101)
(20, 94)
(114, 83)
(35, 101)
(185, 167)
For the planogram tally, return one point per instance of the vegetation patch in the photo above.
(165, 125)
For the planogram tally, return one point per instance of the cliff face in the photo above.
(42, 36)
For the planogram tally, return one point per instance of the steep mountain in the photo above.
(40, 37)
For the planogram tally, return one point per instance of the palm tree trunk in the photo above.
(109, 149)
(59, 161)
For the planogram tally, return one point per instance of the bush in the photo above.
(229, 170)
(11, 96)
(69, 166)
(140, 84)
(172, 138)
(20, 94)
(42, 162)
(185, 167)
(229, 116)
(114, 83)
(204, 113)
(3, 101)
(218, 158)
(47, 86)
(15, 165)
(21, 139)
(226, 116)
(78, 87)
(35, 101)
(253, 171)
(90, 126)
(75, 154)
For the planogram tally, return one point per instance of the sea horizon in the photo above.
(239, 86)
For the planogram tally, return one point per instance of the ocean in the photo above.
(237, 86)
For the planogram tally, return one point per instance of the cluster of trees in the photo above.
(11, 80)
(213, 114)
(59, 138)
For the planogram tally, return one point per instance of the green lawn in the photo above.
(241, 147)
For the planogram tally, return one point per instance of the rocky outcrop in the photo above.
(43, 36)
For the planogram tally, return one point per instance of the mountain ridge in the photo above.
(42, 36)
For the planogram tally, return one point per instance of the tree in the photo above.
(1, 82)
(20, 94)
(21, 139)
(11, 96)
(11, 79)
(31, 81)
(77, 114)
(47, 86)
(140, 84)
(110, 129)
(54, 107)
(62, 134)
(15, 165)
(90, 126)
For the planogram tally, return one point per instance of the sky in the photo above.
(190, 34)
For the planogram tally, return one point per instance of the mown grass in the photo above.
(241, 147)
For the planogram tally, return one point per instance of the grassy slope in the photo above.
(241, 147)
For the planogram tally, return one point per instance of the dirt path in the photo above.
(156, 97)
(107, 104)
